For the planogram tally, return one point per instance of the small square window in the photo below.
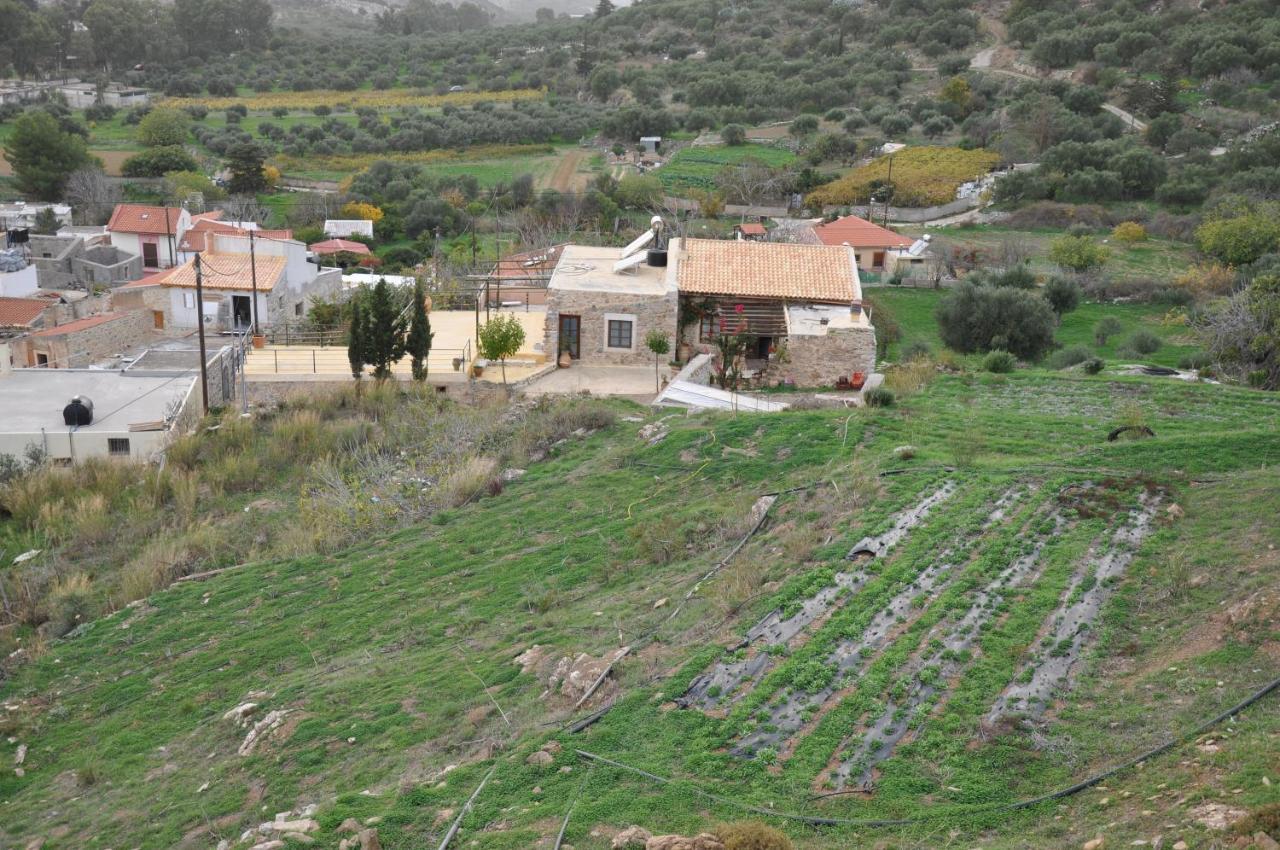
(118, 446)
(619, 333)
(297, 309)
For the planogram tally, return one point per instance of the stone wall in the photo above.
(819, 361)
(78, 349)
(649, 311)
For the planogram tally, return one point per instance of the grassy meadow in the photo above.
(393, 646)
(915, 312)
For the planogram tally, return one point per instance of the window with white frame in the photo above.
(619, 332)
(189, 300)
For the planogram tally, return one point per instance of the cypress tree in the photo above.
(355, 340)
(418, 343)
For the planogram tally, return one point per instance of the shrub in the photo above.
(1196, 360)
(159, 161)
(1129, 232)
(1143, 342)
(1094, 365)
(71, 602)
(1206, 279)
(915, 351)
(752, 835)
(999, 362)
(1106, 328)
(1078, 253)
(982, 318)
(1062, 294)
(879, 397)
(1069, 357)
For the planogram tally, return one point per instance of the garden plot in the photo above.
(929, 674)
(822, 684)
(724, 683)
(1069, 626)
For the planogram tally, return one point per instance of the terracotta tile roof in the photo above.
(227, 271)
(138, 218)
(153, 279)
(335, 246)
(21, 312)
(538, 263)
(860, 233)
(752, 228)
(197, 238)
(767, 270)
(80, 324)
(211, 215)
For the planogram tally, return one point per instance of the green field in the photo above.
(1159, 259)
(395, 657)
(696, 168)
(915, 312)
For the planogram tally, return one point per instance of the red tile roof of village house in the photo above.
(197, 238)
(752, 228)
(153, 279)
(860, 233)
(228, 271)
(21, 312)
(211, 215)
(80, 324)
(337, 246)
(539, 263)
(782, 270)
(138, 218)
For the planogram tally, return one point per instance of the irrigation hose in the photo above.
(1060, 794)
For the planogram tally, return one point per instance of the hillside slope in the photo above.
(1026, 603)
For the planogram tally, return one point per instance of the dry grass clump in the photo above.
(472, 477)
(71, 601)
(906, 378)
(752, 835)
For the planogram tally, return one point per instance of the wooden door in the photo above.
(570, 335)
(157, 316)
(150, 255)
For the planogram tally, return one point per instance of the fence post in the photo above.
(275, 353)
(313, 361)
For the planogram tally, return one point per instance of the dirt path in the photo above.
(566, 178)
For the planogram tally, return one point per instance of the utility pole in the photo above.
(253, 271)
(204, 374)
(888, 193)
(168, 230)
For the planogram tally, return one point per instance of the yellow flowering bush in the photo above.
(361, 210)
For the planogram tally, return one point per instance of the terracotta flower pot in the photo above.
(259, 341)
(565, 361)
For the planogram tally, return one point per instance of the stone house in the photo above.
(797, 309)
(601, 312)
(80, 343)
(23, 315)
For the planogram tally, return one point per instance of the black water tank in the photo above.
(78, 413)
(658, 257)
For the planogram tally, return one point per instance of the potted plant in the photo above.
(259, 340)
(457, 364)
(477, 367)
(565, 360)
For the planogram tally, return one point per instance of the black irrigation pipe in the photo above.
(1060, 794)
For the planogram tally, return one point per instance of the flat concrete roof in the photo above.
(589, 268)
(34, 398)
(807, 319)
